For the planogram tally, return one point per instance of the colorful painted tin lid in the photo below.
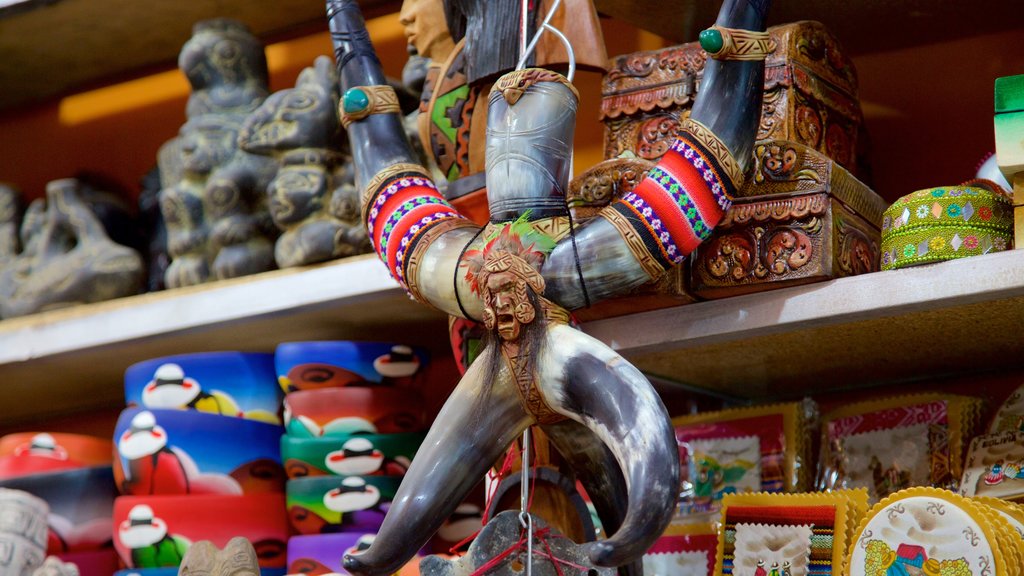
(80, 501)
(323, 504)
(354, 410)
(346, 455)
(188, 452)
(239, 384)
(945, 223)
(156, 531)
(327, 364)
(39, 452)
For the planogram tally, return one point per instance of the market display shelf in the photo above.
(74, 359)
(957, 317)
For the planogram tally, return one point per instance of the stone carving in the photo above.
(238, 558)
(214, 197)
(55, 567)
(67, 256)
(313, 199)
(23, 532)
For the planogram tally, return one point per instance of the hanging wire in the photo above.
(546, 25)
(524, 502)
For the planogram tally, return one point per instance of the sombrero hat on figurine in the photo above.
(187, 452)
(324, 504)
(322, 553)
(946, 223)
(80, 502)
(354, 410)
(933, 532)
(156, 531)
(350, 455)
(237, 384)
(36, 452)
(328, 364)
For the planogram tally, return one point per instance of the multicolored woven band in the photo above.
(403, 207)
(677, 205)
(945, 223)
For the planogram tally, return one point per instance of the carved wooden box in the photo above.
(802, 218)
(810, 96)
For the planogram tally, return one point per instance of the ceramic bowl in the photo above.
(331, 364)
(156, 531)
(322, 553)
(80, 503)
(186, 452)
(236, 384)
(323, 504)
(351, 455)
(93, 563)
(37, 452)
(354, 410)
(174, 572)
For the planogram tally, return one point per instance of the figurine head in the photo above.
(506, 273)
(531, 118)
(23, 531)
(426, 28)
(226, 66)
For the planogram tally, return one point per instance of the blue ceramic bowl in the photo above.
(187, 452)
(227, 383)
(330, 364)
(81, 505)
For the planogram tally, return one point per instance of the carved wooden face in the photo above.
(508, 306)
(426, 28)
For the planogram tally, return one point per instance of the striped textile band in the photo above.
(402, 209)
(679, 202)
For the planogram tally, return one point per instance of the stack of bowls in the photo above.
(353, 423)
(72, 474)
(198, 458)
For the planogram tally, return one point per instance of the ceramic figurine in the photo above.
(521, 274)
(312, 197)
(67, 256)
(22, 532)
(214, 196)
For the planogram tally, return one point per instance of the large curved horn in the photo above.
(598, 471)
(475, 427)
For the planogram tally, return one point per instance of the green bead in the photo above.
(355, 101)
(711, 40)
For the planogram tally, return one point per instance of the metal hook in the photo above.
(546, 25)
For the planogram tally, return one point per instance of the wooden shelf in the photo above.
(74, 359)
(956, 318)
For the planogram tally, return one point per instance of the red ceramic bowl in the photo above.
(26, 453)
(156, 531)
(354, 410)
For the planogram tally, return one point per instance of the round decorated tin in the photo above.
(350, 455)
(238, 384)
(156, 531)
(928, 531)
(329, 364)
(38, 452)
(323, 504)
(80, 501)
(188, 452)
(945, 223)
(354, 410)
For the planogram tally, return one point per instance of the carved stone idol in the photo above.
(23, 532)
(67, 256)
(313, 199)
(214, 195)
(238, 558)
(55, 567)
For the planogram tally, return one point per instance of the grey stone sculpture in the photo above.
(23, 532)
(238, 558)
(214, 196)
(66, 256)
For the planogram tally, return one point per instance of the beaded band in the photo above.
(377, 182)
(715, 146)
(925, 245)
(735, 44)
(361, 101)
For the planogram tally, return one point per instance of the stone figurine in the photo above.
(66, 257)
(313, 198)
(237, 558)
(23, 532)
(522, 272)
(214, 197)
